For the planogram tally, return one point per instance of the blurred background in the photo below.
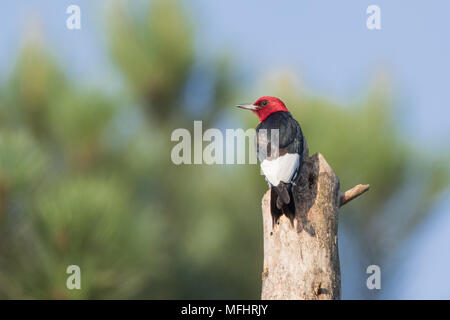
(86, 118)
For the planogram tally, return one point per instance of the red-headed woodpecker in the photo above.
(280, 156)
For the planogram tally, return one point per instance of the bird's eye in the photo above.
(264, 103)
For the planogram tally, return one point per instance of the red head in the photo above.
(264, 107)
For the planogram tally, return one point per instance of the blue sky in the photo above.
(326, 43)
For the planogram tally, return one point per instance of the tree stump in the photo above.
(301, 258)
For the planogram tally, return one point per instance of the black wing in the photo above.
(290, 135)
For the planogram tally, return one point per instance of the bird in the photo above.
(279, 144)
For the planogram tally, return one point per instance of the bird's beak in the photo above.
(247, 106)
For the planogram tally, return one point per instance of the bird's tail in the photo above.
(284, 201)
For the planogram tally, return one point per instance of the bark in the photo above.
(301, 259)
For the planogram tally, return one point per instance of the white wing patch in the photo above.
(281, 168)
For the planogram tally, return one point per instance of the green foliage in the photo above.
(34, 84)
(21, 162)
(139, 43)
(86, 178)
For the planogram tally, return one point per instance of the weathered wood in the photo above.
(301, 259)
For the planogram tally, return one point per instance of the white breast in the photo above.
(281, 168)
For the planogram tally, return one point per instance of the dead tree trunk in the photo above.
(301, 259)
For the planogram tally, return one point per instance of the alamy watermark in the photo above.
(73, 22)
(374, 280)
(231, 148)
(373, 21)
(74, 280)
